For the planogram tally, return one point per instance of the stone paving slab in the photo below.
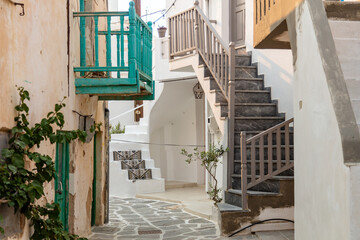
(135, 219)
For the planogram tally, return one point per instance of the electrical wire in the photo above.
(163, 15)
(267, 220)
(148, 14)
(159, 144)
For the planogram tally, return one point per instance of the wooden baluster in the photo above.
(118, 53)
(261, 156)
(196, 31)
(287, 145)
(256, 11)
(222, 78)
(96, 22)
(243, 170)
(253, 162)
(176, 34)
(108, 44)
(132, 42)
(170, 38)
(218, 60)
(270, 154)
(122, 41)
(278, 148)
(214, 56)
(226, 74)
(264, 7)
(192, 26)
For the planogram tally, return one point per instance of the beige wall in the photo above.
(33, 54)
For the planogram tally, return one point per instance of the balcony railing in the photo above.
(131, 76)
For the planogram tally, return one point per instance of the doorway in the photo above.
(237, 22)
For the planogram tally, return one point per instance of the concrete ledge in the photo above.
(349, 11)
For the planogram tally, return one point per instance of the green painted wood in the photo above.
(82, 37)
(123, 98)
(127, 89)
(122, 32)
(99, 14)
(96, 20)
(114, 32)
(103, 82)
(100, 69)
(93, 205)
(132, 41)
(108, 44)
(62, 181)
(118, 53)
(139, 46)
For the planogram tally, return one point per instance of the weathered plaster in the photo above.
(34, 54)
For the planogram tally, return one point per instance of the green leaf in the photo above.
(17, 160)
(12, 168)
(7, 153)
(57, 107)
(20, 143)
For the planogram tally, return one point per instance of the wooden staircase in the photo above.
(260, 159)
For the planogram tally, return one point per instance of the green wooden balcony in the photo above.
(130, 77)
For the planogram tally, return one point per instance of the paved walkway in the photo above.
(134, 218)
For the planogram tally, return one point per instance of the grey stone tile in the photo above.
(270, 236)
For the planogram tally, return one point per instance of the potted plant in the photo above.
(162, 31)
(210, 160)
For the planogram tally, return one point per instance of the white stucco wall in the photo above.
(276, 65)
(321, 179)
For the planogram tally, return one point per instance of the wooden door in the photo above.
(237, 22)
(62, 181)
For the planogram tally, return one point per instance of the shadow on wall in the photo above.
(276, 65)
(177, 118)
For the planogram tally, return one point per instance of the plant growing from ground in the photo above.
(20, 186)
(117, 129)
(210, 160)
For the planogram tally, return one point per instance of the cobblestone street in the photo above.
(133, 218)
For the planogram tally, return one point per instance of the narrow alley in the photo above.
(133, 218)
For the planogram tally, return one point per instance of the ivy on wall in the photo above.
(21, 187)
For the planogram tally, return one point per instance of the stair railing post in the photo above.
(132, 41)
(195, 14)
(231, 114)
(243, 171)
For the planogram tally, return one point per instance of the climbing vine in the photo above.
(22, 186)
(210, 160)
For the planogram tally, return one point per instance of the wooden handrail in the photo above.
(258, 174)
(191, 32)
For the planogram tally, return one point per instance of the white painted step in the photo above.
(136, 129)
(121, 186)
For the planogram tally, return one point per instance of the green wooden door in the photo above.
(62, 181)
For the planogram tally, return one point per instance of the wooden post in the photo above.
(132, 41)
(138, 7)
(243, 171)
(231, 114)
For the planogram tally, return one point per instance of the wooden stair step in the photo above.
(254, 193)
(274, 177)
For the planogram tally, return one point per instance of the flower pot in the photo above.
(162, 31)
